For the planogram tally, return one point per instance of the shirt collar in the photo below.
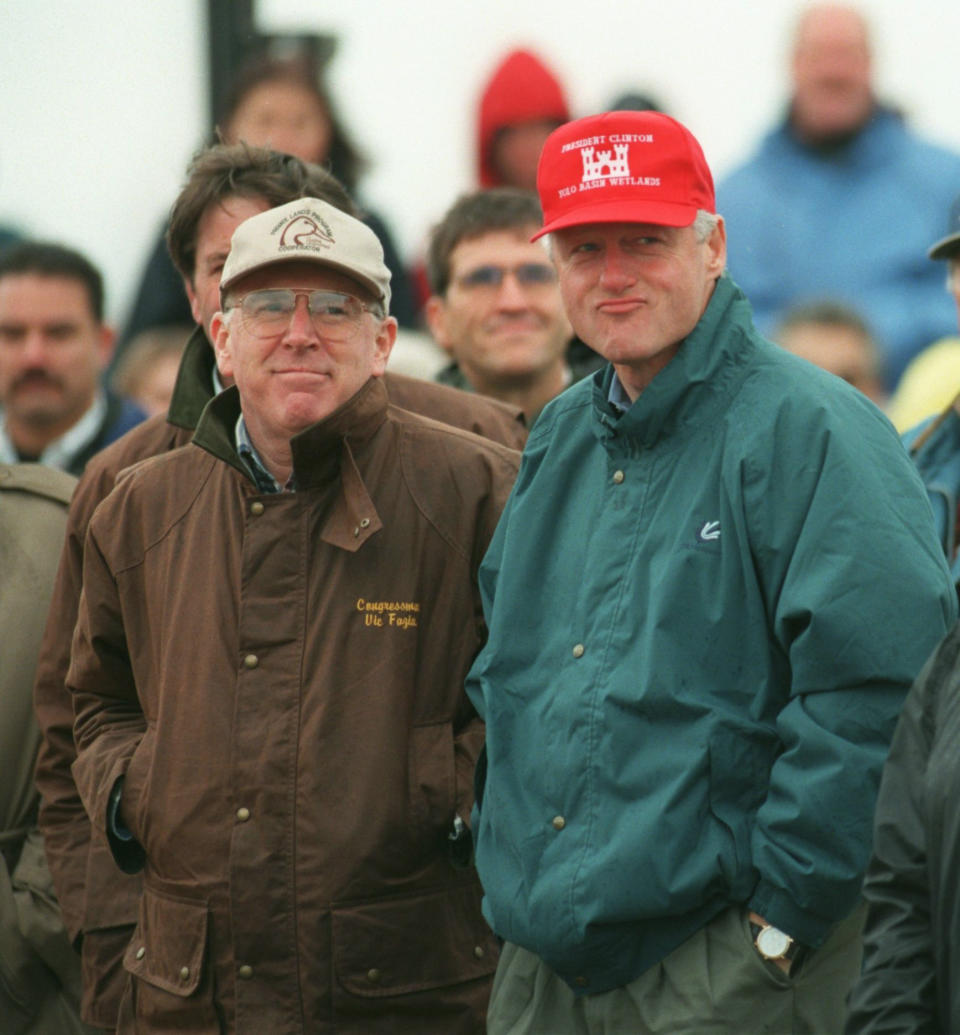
(617, 395)
(265, 481)
(62, 450)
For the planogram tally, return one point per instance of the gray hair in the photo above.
(704, 224)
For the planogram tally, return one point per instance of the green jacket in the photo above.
(704, 616)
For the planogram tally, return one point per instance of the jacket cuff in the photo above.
(777, 908)
(127, 851)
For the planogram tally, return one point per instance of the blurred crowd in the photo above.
(842, 231)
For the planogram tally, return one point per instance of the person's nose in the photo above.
(301, 332)
(511, 294)
(34, 352)
(616, 274)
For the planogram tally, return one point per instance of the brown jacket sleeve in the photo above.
(109, 721)
(91, 892)
(470, 731)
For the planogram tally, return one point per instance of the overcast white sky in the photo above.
(104, 101)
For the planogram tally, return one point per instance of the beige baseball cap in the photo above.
(308, 230)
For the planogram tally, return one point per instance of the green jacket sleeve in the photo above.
(859, 595)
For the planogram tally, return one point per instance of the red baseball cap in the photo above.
(622, 167)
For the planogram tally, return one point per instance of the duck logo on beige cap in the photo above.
(304, 231)
(311, 230)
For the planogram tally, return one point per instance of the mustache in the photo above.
(35, 377)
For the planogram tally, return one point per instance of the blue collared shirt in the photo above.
(617, 395)
(266, 483)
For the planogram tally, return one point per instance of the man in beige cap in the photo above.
(225, 185)
(268, 666)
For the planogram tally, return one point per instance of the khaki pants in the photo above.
(714, 983)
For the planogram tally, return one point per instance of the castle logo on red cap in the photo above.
(604, 166)
(607, 166)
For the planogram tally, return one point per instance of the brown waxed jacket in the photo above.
(39, 971)
(100, 905)
(279, 679)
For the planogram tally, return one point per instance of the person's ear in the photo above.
(435, 313)
(222, 345)
(383, 344)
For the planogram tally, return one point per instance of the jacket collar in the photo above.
(695, 383)
(317, 450)
(194, 385)
(867, 146)
(934, 445)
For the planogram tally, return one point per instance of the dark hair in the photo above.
(47, 259)
(343, 158)
(238, 170)
(473, 215)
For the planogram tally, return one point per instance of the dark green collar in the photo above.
(194, 387)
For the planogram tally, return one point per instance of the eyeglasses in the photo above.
(267, 313)
(528, 274)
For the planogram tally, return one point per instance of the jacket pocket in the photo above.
(431, 773)
(170, 986)
(136, 786)
(740, 763)
(428, 942)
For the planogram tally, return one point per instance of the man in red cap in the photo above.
(709, 592)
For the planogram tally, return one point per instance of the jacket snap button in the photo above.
(256, 508)
(243, 814)
(141, 952)
(478, 952)
(578, 650)
(618, 477)
(251, 661)
(559, 822)
(365, 523)
(246, 971)
(373, 975)
(184, 973)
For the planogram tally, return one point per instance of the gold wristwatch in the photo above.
(772, 943)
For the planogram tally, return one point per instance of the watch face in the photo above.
(773, 943)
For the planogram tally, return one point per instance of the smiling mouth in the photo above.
(620, 305)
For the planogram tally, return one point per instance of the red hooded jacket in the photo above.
(521, 89)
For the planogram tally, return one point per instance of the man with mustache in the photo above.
(53, 348)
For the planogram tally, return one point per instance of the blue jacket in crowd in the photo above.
(852, 224)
